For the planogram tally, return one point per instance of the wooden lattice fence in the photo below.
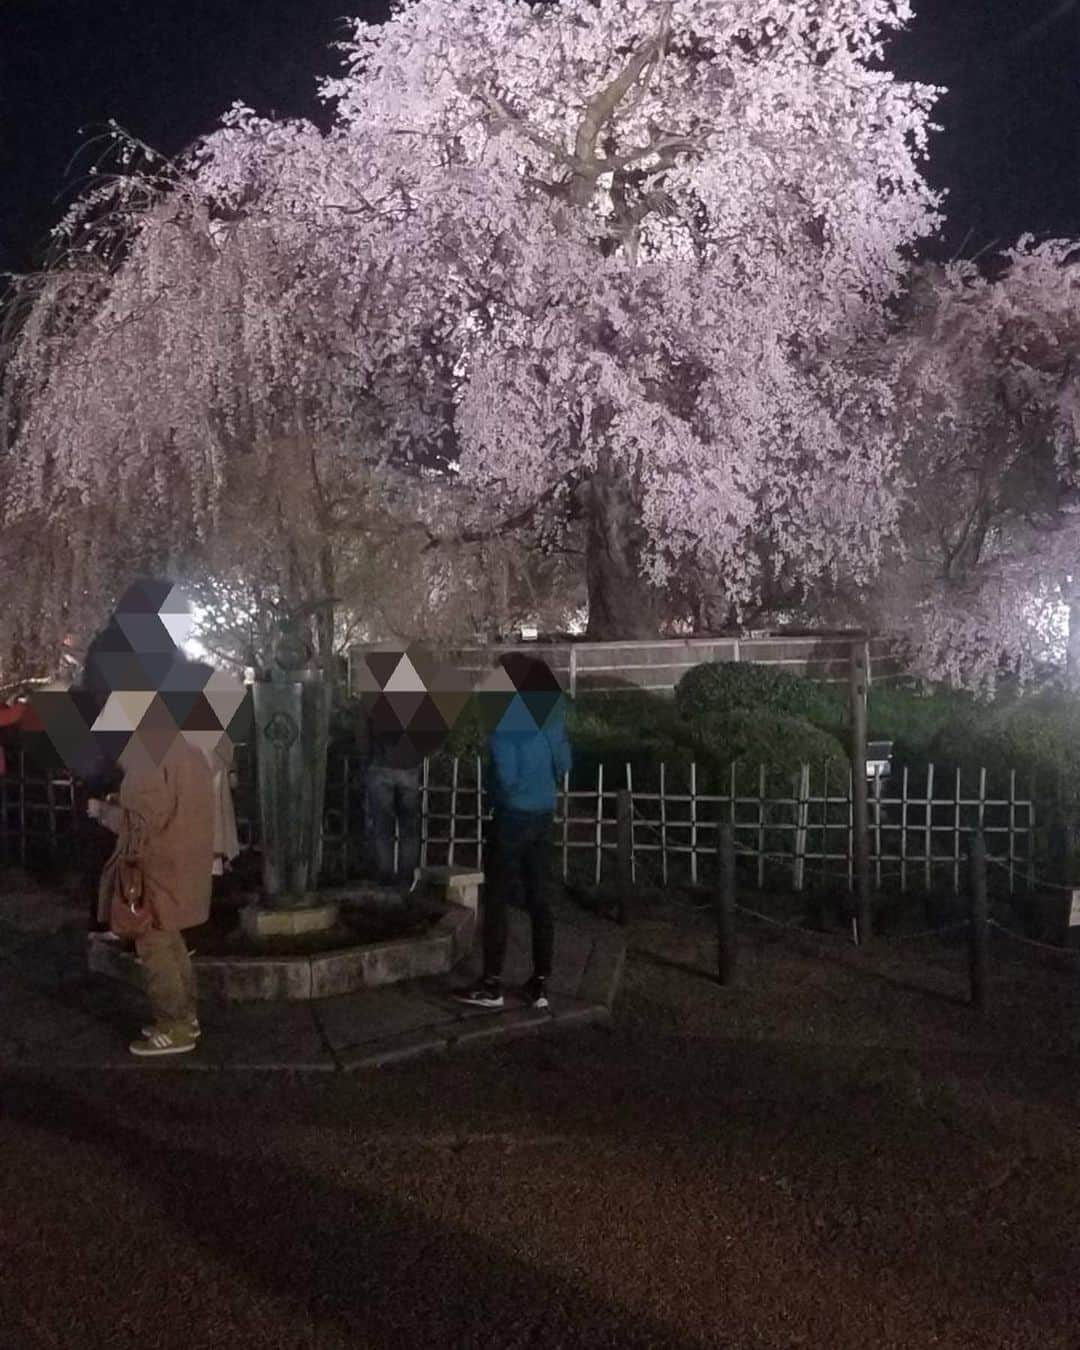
(917, 828)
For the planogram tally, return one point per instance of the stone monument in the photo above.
(292, 720)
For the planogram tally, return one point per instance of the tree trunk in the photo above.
(622, 603)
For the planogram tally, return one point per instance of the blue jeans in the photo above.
(394, 795)
(519, 851)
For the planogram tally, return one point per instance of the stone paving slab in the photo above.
(602, 974)
(263, 1036)
(394, 1049)
(380, 1013)
(497, 1025)
(54, 1013)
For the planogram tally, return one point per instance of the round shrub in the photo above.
(721, 689)
(782, 743)
(631, 727)
(1037, 735)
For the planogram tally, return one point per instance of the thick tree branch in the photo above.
(506, 526)
(601, 109)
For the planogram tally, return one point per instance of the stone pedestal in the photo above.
(283, 978)
(292, 715)
(260, 922)
(462, 884)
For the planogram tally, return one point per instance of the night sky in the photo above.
(166, 69)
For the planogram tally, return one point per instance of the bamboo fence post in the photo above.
(693, 822)
(663, 823)
(761, 827)
(802, 813)
(479, 814)
(726, 946)
(877, 830)
(630, 791)
(1012, 828)
(453, 811)
(929, 864)
(425, 809)
(565, 821)
(825, 803)
(982, 801)
(850, 840)
(857, 690)
(903, 831)
(624, 814)
(733, 789)
(979, 934)
(599, 819)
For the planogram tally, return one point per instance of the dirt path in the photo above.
(822, 1156)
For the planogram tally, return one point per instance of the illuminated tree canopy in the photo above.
(597, 266)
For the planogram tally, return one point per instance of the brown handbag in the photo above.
(123, 885)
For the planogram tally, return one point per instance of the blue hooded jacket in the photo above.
(527, 760)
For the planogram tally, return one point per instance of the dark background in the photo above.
(166, 70)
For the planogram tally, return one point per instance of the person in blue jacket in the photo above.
(529, 754)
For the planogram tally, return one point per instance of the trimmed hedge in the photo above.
(1038, 735)
(722, 689)
(780, 742)
(631, 727)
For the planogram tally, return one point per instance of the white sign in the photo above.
(1074, 909)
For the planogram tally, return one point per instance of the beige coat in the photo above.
(165, 818)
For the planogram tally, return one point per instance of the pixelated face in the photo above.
(520, 694)
(412, 699)
(142, 692)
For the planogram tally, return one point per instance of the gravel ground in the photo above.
(834, 1153)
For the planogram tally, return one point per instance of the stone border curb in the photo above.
(603, 971)
(249, 979)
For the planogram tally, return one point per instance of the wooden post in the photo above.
(599, 821)
(693, 822)
(903, 833)
(801, 827)
(663, 822)
(624, 826)
(979, 936)
(861, 842)
(565, 824)
(726, 949)
(630, 790)
(479, 814)
(453, 812)
(929, 874)
(425, 809)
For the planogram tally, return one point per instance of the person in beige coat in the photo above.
(163, 817)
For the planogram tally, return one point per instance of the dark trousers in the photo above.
(519, 852)
(394, 795)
